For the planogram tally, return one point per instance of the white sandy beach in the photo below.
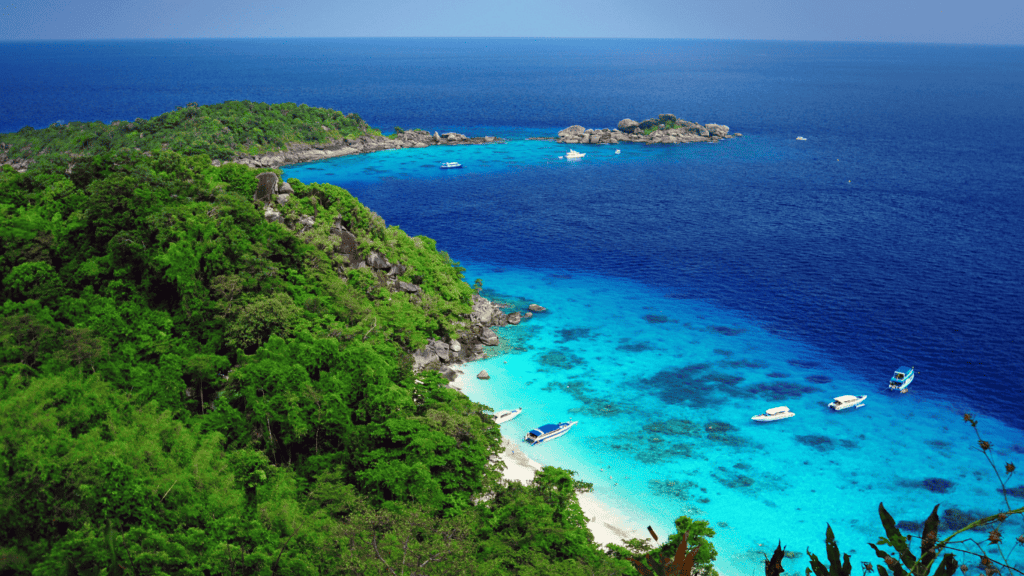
(608, 525)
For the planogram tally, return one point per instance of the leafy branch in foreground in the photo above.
(995, 536)
(931, 546)
(680, 565)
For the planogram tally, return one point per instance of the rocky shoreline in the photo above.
(299, 152)
(665, 129)
(470, 345)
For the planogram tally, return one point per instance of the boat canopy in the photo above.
(902, 372)
(846, 398)
(544, 429)
(778, 410)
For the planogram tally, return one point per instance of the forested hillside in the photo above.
(221, 131)
(202, 376)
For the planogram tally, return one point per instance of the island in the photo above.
(665, 129)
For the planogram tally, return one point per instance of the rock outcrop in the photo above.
(665, 129)
(471, 342)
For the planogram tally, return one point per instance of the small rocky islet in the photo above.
(665, 129)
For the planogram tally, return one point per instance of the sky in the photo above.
(941, 21)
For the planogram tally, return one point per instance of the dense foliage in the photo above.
(190, 388)
(221, 131)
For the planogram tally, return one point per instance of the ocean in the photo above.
(688, 287)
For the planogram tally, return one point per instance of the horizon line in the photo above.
(271, 38)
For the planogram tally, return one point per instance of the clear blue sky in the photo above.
(946, 21)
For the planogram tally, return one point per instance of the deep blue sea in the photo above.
(689, 287)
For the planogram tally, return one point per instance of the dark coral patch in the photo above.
(731, 479)
(743, 364)
(570, 334)
(777, 375)
(560, 359)
(562, 276)
(696, 385)
(718, 426)
(626, 346)
(657, 319)
(674, 427)
(819, 443)
(802, 363)
(658, 451)
(741, 466)
(818, 379)
(721, 352)
(955, 519)
(726, 330)
(728, 379)
(1016, 491)
(936, 485)
(727, 439)
(679, 490)
(940, 444)
(906, 526)
(847, 443)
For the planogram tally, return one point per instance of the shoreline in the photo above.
(304, 152)
(608, 524)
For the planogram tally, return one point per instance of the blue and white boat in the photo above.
(449, 165)
(901, 379)
(549, 432)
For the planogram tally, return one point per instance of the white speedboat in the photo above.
(549, 432)
(801, 138)
(844, 402)
(506, 415)
(773, 414)
(902, 379)
(574, 155)
(450, 165)
(618, 151)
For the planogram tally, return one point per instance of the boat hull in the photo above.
(773, 418)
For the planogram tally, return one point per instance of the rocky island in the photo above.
(665, 129)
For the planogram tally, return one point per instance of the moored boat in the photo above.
(506, 415)
(449, 165)
(844, 402)
(773, 414)
(574, 155)
(549, 432)
(901, 379)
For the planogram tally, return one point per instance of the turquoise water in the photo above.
(608, 352)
